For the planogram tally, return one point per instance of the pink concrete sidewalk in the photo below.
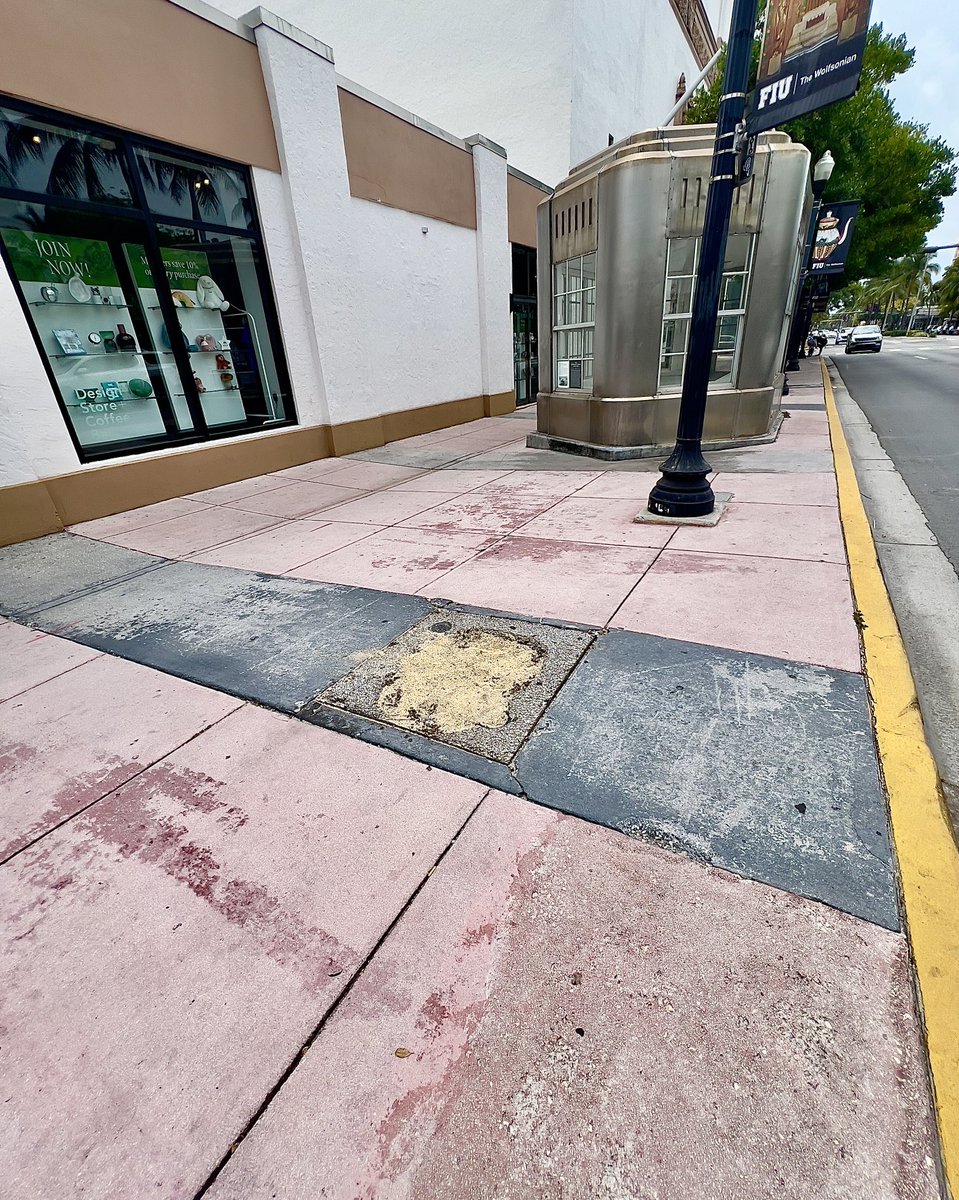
(560, 1011)
(247, 953)
(544, 543)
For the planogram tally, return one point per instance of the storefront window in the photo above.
(43, 157)
(153, 333)
(681, 265)
(197, 191)
(91, 326)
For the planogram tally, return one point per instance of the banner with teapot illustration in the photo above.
(833, 236)
(811, 56)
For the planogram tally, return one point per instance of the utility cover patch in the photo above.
(477, 682)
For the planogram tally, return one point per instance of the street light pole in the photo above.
(802, 310)
(683, 489)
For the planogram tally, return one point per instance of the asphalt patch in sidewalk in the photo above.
(757, 765)
(271, 640)
(45, 572)
(473, 681)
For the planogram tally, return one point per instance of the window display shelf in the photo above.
(118, 400)
(214, 392)
(75, 304)
(102, 354)
(186, 308)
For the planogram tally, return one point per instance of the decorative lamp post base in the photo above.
(683, 490)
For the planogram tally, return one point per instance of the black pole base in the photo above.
(792, 364)
(683, 490)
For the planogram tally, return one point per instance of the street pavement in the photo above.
(270, 933)
(910, 394)
(900, 414)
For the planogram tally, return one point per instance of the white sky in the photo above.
(927, 92)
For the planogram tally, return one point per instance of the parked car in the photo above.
(841, 334)
(864, 339)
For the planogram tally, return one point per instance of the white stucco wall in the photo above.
(417, 318)
(33, 436)
(494, 269)
(499, 67)
(393, 313)
(549, 80)
(626, 65)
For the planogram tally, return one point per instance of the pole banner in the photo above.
(811, 56)
(833, 236)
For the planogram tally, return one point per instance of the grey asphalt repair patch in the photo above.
(275, 641)
(35, 575)
(758, 765)
(469, 680)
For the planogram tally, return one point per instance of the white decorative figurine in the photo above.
(209, 295)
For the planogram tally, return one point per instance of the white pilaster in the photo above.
(493, 265)
(307, 223)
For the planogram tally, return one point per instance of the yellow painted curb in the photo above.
(928, 858)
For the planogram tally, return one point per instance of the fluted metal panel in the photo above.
(630, 275)
(544, 297)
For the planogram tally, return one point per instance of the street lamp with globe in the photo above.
(802, 312)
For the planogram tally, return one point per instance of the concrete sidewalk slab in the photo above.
(180, 537)
(772, 531)
(388, 508)
(113, 717)
(814, 487)
(137, 518)
(167, 953)
(282, 548)
(30, 658)
(564, 581)
(295, 498)
(757, 765)
(488, 513)
(390, 558)
(599, 522)
(715, 598)
(565, 1013)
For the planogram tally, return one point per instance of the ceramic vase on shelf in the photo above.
(125, 341)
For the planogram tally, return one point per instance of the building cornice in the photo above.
(694, 23)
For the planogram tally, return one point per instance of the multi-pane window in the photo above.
(681, 266)
(574, 317)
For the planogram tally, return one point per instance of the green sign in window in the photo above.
(49, 258)
(183, 267)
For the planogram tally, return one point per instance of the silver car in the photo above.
(864, 339)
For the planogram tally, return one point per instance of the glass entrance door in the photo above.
(525, 360)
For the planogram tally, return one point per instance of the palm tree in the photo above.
(912, 276)
(948, 291)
